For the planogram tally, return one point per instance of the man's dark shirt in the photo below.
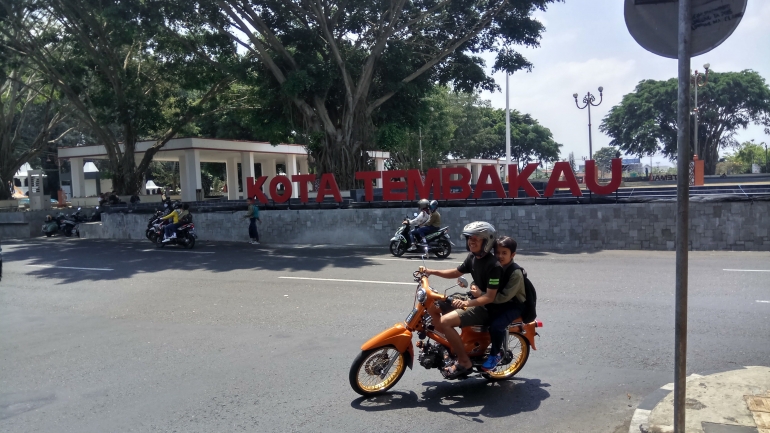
(486, 271)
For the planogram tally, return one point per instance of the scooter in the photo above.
(185, 236)
(384, 358)
(438, 242)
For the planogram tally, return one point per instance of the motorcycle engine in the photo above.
(432, 355)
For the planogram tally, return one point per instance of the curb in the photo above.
(640, 419)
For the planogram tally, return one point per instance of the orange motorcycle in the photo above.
(384, 358)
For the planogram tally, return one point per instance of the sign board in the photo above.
(451, 183)
(654, 24)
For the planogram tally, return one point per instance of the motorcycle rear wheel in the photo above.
(513, 362)
(396, 249)
(445, 249)
(190, 242)
(366, 368)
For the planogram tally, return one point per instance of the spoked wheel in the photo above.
(397, 249)
(368, 375)
(445, 249)
(514, 359)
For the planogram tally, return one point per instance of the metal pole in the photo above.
(590, 145)
(420, 148)
(697, 151)
(507, 129)
(682, 215)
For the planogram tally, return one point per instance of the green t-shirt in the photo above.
(512, 285)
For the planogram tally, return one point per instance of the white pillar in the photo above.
(232, 178)
(247, 170)
(380, 167)
(469, 166)
(291, 170)
(268, 169)
(190, 174)
(304, 166)
(78, 179)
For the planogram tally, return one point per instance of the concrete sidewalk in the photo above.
(736, 401)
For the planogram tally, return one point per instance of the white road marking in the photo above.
(179, 251)
(347, 281)
(68, 267)
(764, 302)
(747, 270)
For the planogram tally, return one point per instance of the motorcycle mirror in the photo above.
(78, 209)
(415, 214)
(462, 282)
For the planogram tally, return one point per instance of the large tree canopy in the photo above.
(644, 123)
(127, 73)
(340, 62)
(31, 114)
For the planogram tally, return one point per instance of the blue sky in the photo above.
(587, 45)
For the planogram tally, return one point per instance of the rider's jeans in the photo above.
(499, 323)
(169, 230)
(424, 231)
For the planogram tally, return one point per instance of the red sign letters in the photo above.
(402, 185)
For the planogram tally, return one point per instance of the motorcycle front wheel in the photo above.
(514, 359)
(396, 249)
(365, 373)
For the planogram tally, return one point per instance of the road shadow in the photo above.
(51, 257)
(470, 399)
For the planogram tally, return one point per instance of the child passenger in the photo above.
(508, 303)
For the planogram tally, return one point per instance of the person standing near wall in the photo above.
(252, 213)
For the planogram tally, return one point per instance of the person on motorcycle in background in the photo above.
(508, 303)
(421, 218)
(177, 214)
(432, 225)
(482, 264)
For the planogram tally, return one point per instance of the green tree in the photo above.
(126, 70)
(604, 156)
(746, 154)
(340, 62)
(644, 123)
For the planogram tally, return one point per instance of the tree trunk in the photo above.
(6, 175)
(343, 150)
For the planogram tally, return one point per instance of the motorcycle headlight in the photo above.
(421, 296)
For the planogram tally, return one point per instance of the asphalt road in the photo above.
(215, 340)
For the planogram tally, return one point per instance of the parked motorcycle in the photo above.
(185, 236)
(384, 358)
(438, 242)
(79, 217)
(60, 224)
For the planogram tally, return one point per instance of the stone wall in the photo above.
(649, 226)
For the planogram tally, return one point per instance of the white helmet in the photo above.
(422, 204)
(483, 230)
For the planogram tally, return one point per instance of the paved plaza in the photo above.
(119, 336)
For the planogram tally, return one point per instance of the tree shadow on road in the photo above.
(470, 399)
(99, 260)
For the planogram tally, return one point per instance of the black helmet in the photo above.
(422, 204)
(485, 231)
(177, 205)
(433, 205)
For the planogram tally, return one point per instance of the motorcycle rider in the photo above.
(432, 225)
(482, 264)
(422, 217)
(177, 214)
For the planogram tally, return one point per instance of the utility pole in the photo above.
(507, 129)
(421, 149)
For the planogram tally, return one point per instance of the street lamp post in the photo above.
(588, 101)
(699, 80)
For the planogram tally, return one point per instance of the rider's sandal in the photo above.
(459, 371)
